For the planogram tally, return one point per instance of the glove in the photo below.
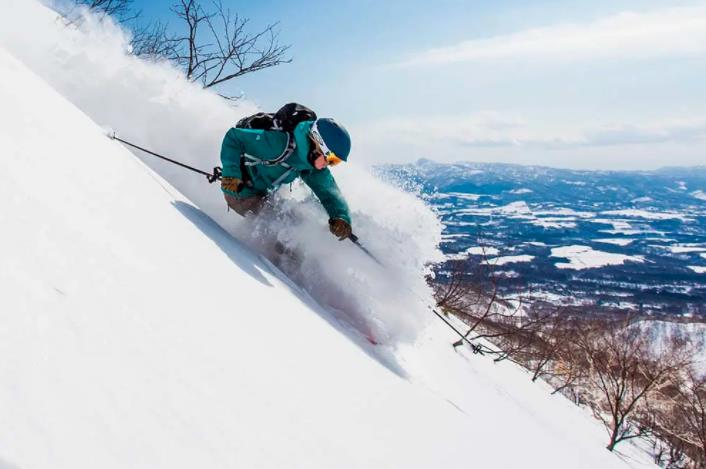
(340, 228)
(232, 184)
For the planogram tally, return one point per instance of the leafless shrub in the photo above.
(681, 417)
(471, 292)
(624, 374)
(458, 295)
(545, 357)
(636, 380)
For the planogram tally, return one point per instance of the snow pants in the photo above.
(245, 205)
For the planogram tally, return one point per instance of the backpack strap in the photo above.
(254, 161)
(277, 181)
(280, 160)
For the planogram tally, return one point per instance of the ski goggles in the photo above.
(331, 158)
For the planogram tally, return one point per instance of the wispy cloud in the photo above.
(492, 130)
(665, 32)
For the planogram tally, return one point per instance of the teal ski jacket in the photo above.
(268, 145)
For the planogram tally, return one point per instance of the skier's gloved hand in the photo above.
(232, 184)
(340, 228)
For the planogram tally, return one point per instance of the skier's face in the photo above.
(321, 160)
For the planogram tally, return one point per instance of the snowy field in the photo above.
(137, 331)
(634, 238)
(584, 257)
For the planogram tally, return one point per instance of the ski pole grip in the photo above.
(217, 173)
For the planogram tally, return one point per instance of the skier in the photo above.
(256, 162)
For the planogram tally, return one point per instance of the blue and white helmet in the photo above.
(331, 137)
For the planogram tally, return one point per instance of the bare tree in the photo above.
(681, 417)
(152, 41)
(471, 292)
(456, 294)
(623, 374)
(120, 10)
(218, 48)
(632, 375)
(551, 340)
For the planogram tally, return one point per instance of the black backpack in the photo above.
(285, 119)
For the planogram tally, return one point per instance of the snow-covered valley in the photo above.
(634, 238)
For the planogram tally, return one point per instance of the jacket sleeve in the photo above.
(231, 151)
(326, 190)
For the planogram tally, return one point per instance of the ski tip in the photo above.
(371, 339)
(108, 132)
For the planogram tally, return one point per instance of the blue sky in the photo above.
(587, 84)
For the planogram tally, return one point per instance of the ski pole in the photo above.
(212, 177)
(355, 240)
(476, 348)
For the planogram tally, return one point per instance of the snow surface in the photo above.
(585, 257)
(663, 331)
(463, 196)
(616, 241)
(474, 251)
(649, 215)
(556, 223)
(518, 209)
(482, 251)
(680, 248)
(521, 210)
(701, 195)
(138, 332)
(617, 224)
(564, 211)
(510, 259)
(685, 249)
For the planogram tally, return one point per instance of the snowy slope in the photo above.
(136, 332)
(130, 337)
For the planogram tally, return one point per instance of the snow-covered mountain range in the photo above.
(634, 240)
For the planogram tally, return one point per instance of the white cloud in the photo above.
(493, 136)
(666, 32)
(492, 129)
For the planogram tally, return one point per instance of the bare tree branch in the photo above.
(120, 10)
(217, 47)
